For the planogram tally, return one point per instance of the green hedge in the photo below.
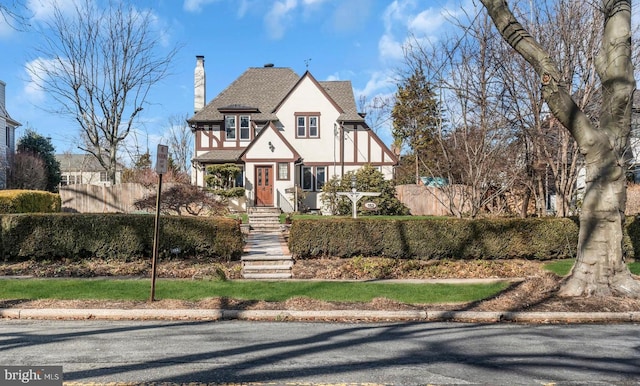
(29, 201)
(116, 236)
(439, 238)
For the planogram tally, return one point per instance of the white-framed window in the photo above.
(313, 178)
(283, 171)
(245, 127)
(301, 127)
(313, 127)
(321, 177)
(71, 179)
(230, 127)
(104, 177)
(307, 125)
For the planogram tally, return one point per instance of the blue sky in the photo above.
(356, 40)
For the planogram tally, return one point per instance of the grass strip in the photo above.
(562, 267)
(107, 289)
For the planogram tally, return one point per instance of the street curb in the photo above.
(319, 315)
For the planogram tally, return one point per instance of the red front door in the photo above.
(264, 185)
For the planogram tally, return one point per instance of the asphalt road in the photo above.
(285, 353)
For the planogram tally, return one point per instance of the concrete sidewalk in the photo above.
(272, 244)
(320, 315)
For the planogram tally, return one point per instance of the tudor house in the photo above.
(284, 131)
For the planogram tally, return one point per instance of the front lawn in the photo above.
(193, 290)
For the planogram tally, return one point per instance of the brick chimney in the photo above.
(200, 84)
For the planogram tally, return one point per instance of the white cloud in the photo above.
(43, 9)
(196, 5)
(426, 22)
(158, 24)
(388, 48)
(379, 83)
(395, 20)
(277, 18)
(313, 2)
(408, 22)
(33, 88)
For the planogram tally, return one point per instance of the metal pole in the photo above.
(156, 238)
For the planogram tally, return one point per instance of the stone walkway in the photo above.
(266, 256)
(266, 244)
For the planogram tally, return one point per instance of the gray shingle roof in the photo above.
(80, 163)
(220, 156)
(341, 92)
(261, 89)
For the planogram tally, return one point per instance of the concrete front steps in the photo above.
(264, 219)
(265, 257)
(267, 267)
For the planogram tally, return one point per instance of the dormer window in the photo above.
(245, 132)
(230, 127)
(307, 125)
(237, 126)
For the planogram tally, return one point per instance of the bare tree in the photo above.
(473, 145)
(551, 155)
(180, 141)
(13, 14)
(99, 65)
(184, 199)
(600, 269)
(28, 171)
(377, 111)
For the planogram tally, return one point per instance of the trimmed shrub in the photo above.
(117, 236)
(439, 238)
(29, 201)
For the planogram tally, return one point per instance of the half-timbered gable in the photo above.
(285, 131)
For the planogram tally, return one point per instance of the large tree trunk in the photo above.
(599, 268)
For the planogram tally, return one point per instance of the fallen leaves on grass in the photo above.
(537, 292)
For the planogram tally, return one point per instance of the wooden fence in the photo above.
(426, 201)
(85, 198)
(120, 198)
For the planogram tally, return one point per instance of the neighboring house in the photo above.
(284, 131)
(84, 169)
(7, 137)
(634, 139)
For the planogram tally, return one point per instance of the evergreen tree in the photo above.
(38, 146)
(416, 117)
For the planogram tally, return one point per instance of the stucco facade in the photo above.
(285, 131)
